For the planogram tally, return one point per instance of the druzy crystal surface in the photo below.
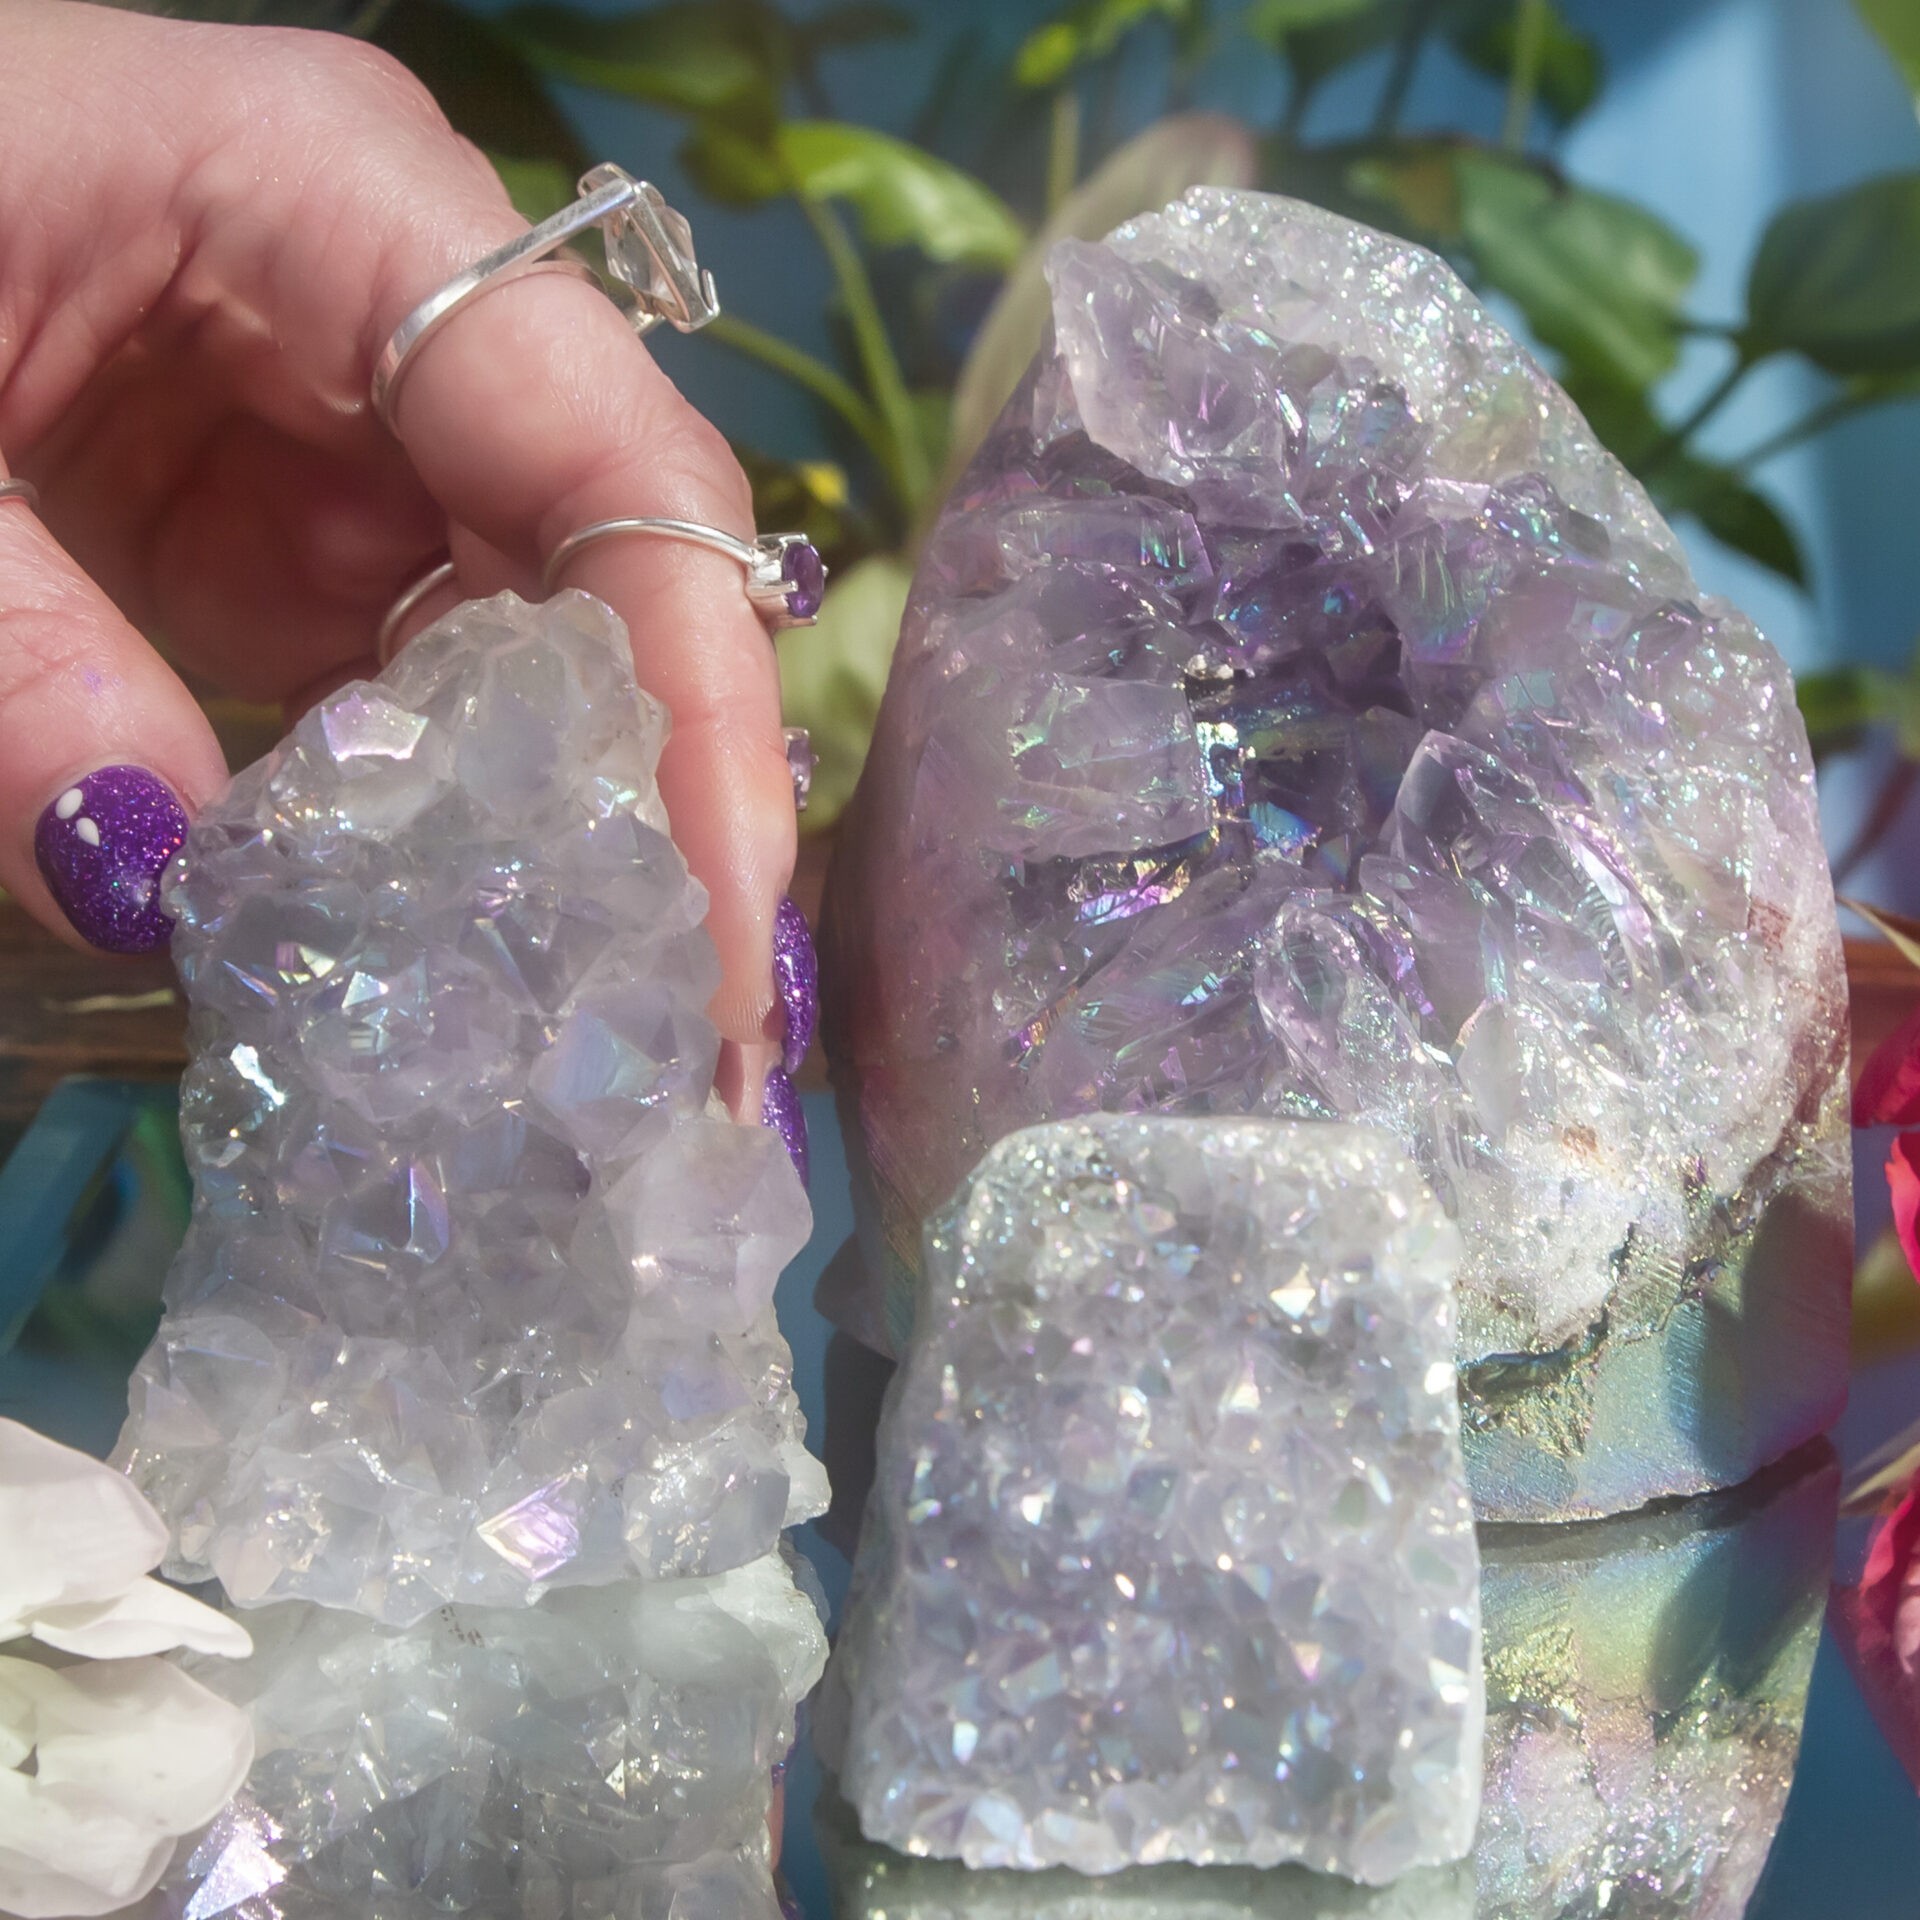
(1169, 1555)
(1298, 712)
(609, 1752)
(476, 1297)
(1646, 1683)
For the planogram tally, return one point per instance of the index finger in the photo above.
(534, 411)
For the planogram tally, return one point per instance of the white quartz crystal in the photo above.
(1169, 1556)
(477, 1297)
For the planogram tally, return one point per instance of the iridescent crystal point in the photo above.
(477, 1296)
(1170, 1556)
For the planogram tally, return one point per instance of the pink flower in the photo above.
(1879, 1629)
(1888, 1095)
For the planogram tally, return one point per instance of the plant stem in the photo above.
(1406, 58)
(803, 370)
(1677, 437)
(1829, 413)
(1529, 43)
(905, 457)
(1063, 145)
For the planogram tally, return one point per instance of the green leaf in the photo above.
(538, 188)
(1838, 705)
(1599, 279)
(1088, 31)
(1838, 279)
(1273, 20)
(1897, 22)
(900, 194)
(696, 56)
(1185, 150)
(1320, 36)
(1684, 483)
(485, 86)
(1741, 518)
(1570, 68)
(731, 168)
(832, 675)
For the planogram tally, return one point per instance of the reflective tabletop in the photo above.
(1694, 1710)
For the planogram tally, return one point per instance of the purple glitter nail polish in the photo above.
(102, 845)
(796, 975)
(780, 1109)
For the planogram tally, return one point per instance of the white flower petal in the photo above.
(150, 1617)
(138, 1736)
(62, 1858)
(74, 1529)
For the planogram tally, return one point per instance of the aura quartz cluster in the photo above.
(476, 1301)
(1298, 713)
(608, 1752)
(1170, 1555)
(1646, 1684)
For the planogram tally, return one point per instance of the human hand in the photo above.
(206, 236)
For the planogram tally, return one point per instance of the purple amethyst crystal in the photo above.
(806, 577)
(1298, 713)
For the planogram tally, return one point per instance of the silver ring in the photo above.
(649, 254)
(434, 578)
(22, 490)
(801, 761)
(786, 577)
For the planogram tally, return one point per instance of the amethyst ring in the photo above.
(786, 578)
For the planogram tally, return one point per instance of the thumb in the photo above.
(104, 755)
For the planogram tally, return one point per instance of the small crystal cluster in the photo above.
(1646, 1682)
(1299, 713)
(1169, 1556)
(608, 1752)
(477, 1297)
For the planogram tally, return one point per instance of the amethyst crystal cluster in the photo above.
(1298, 713)
(477, 1299)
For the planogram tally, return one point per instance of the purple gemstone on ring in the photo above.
(806, 576)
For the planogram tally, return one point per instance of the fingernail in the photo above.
(780, 1109)
(102, 845)
(796, 976)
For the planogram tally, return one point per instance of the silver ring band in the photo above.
(22, 490)
(785, 574)
(435, 577)
(801, 761)
(649, 254)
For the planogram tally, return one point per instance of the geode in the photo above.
(476, 1300)
(1170, 1555)
(609, 1752)
(1299, 713)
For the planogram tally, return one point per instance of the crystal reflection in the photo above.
(606, 1755)
(1646, 1682)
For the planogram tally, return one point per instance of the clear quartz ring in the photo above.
(786, 578)
(22, 490)
(650, 259)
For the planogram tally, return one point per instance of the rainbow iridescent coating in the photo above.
(477, 1297)
(1298, 713)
